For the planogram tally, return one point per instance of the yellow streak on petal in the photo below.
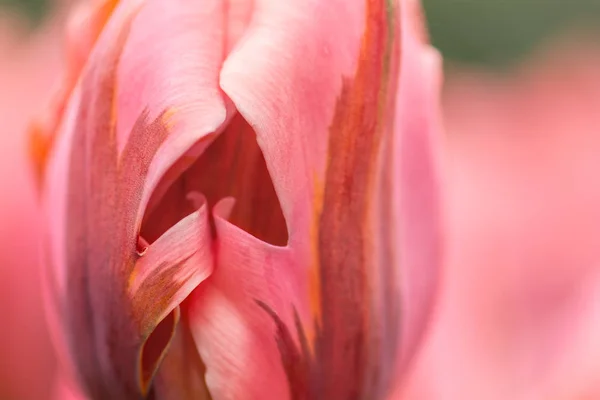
(131, 280)
(43, 130)
(168, 118)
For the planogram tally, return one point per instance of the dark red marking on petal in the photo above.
(296, 363)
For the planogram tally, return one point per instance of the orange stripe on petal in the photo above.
(86, 24)
(349, 338)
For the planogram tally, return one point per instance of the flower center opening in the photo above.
(231, 166)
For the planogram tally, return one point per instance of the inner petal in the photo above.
(232, 166)
(154, 348)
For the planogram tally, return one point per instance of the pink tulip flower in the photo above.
(519, 310)
(241, 198)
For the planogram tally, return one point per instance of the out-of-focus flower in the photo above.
(519, 313)
(318, 118)
(29, 63)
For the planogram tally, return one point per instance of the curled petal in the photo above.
(165, 274)
(235, 336)
(170, 268)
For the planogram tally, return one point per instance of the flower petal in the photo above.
(181, 79)
(84, 28)
(62, 220)
(235, 337)
(418, 194)
(101, 180)
(181, 374)
(185, 248)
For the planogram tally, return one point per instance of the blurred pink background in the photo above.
(519, 315)
(30, 63)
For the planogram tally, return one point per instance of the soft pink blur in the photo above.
(29, 64)
(519, 316)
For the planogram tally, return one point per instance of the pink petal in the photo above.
(181, 374)
(235, 337)
(185, 247)
(416, 156)
(84, 27)
(117, 303)
(181, 80)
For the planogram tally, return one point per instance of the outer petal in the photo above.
(323, 126)
(418, 195)
(84, 27)
(126, 124)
